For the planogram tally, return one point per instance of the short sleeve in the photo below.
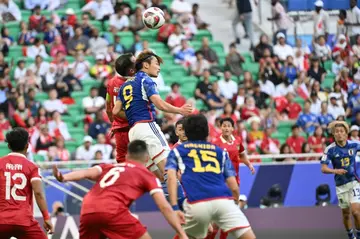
(150, 87)
(171, 162)
(152, 184)
(228, 169)
(35, 173)
(325, 159)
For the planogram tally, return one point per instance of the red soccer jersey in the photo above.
(295, 143)
(312, 140)
(293, 110)
(234, 148)
(16, 194)
(113, 89)
(118, 186)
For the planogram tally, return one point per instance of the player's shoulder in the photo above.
(352, 143)
(330, 147)
(15, 159)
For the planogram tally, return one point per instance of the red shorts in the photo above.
(122, 141)
(115, 226)
(22, 232)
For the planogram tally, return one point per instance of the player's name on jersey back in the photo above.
(200, 146)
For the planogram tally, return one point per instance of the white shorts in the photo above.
(223, 212)
(156, 142)
(348, 193)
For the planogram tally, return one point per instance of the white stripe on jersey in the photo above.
(143, 91)
(223, 160)
(180, 161)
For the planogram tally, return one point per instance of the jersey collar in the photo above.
(17, 155)
(224, 140)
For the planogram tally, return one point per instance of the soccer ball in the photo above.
(153, 18)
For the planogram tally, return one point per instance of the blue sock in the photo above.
(350, 234)
(357, 233)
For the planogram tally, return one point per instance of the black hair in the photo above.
(36, 40)
(227, 120)
(146, 56)
(137, 149)
(295, 126)
(196, 127)
(17, 139)
(124, 63)
(93, 88)
(180, 122)
(175, 84)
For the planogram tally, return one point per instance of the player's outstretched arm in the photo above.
(108, 107)
(172, 187)
(90, 173)
(244, 159)
(169, 214)
(166, 107)
(41, 202)
(232, 184)
(326, 170)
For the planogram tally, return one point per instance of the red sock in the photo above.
(176, 237)
(212, 235)
(223, 235)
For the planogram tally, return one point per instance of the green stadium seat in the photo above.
(248, 57)
(195, 44)
(4, 150)
(25, 14)
(163, 94)
(39, 158)
(177, 72)
(252, 67)
(150, 35)
(96, 24)
(328, 82)
(218, 47)
(327, 65)
(71, 145)
(74, 4)
(41, 96)
(90, 59)
(88, 84)
(79, 95)
(70, 59)
(203, 33)
(15, 51)
(300, 101)
(74, 110)
(267, 160)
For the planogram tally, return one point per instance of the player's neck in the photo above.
(20, 152)
(227, 137)
(341, 143)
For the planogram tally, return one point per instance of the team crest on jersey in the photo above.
(116, 89)
(351, 152)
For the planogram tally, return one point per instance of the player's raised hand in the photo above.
(57, 174)
(340, 171)
(186, 109)
(48, 226)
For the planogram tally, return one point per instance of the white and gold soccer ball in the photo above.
(153, 18)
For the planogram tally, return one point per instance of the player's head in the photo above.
(18, 140)
(179, 130)
(149, 63)
(137, 151)
(227, 126)
(339, 130)
(125, 65)
(196, 127)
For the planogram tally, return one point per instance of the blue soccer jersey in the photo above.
(204, 168)
(135, 96)
(342, 158)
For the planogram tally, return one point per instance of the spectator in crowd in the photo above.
(295, 141)
(199, 66)
(354, 101)
(72, 83)
(43, 140)
(66, 30)
(259, 96)
(40, 67)
(249, 109)
(244, 15)
(20, 70)
(41, 116)
(137, 45)
(334, 109)
(86, 151)
(71, 17)
(284, 88)
(93, 103)
(100, 70)
(354, 133)
(356, 46)
(97, 44)
(290, 71)
(180, 7)
(203, 87)
(99, 126)
(229, 112)
(58, 128)
(166, 30)
(119, 21)
(307, 120)
(159, 4)
(136, 22)
(21, 114)
(37, 21)
(57, 46)
(99, 9)
(209, 54)
(85, 24)
(315, 103)
(4, 125)
(282, 20)
(266, 85)
(228, 87)
(260, 48)
(316, 71)
(239, 98)
(78, 43)
(118, 46)
(188, 26)
(81, 66)
(186, 55)
(174, 97)
(352, 21)
(281, 49)
(32, 4)
(342, 47)
(321, 49)
(31, 103)
(269, 145)
(54, 104)
(4, 66)
(200, 24)
(337, 65)
(9, 11)
(325, 118)
(98, 156)
(234, 61)
(299, 46)
(49, 79)
(174, 41)
(59, 152)
(37, 49)
(285, 149)
(4, 48)
(214, 98)
(5, 34)
(356, 121)
(30, 80)
(103, 147)
(50, 32)
(317, 140)
(320, 20)
(25, 37)
(341, 28)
